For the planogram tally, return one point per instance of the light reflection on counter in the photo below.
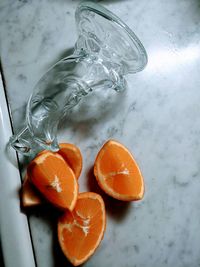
(167, 60)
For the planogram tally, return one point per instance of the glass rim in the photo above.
(107, 14)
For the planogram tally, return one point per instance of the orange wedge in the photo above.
(117, 172)
(54, 179)
(29, 195)
(81, 231)
(72, 155)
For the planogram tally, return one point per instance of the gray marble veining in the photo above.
(158, 118)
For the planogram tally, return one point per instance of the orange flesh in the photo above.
(29, 195)
(117, 172)
(81, 230)
(72, 156)
(54, 179)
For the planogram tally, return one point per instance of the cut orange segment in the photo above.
(54, 179)
(29, 195)
(117, 172)
(81, 231)
(72, 155)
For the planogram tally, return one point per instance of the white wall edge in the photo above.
(14, 230)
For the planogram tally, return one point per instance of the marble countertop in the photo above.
(158, 119)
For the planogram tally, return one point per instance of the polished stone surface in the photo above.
(157, 118)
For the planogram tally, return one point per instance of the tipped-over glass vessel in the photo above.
(106, 50)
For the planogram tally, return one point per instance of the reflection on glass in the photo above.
(105, 51)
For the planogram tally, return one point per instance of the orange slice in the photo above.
(72, 155)
(117, 172)
(54, 179)
(81, 231)
(29, 195)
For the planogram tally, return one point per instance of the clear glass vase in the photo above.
(106, 50)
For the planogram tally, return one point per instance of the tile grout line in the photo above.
(12, 128)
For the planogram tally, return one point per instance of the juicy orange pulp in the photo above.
(81, 231)
(71, 154)
(30, 197)
(117, 172)
(54, 179)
